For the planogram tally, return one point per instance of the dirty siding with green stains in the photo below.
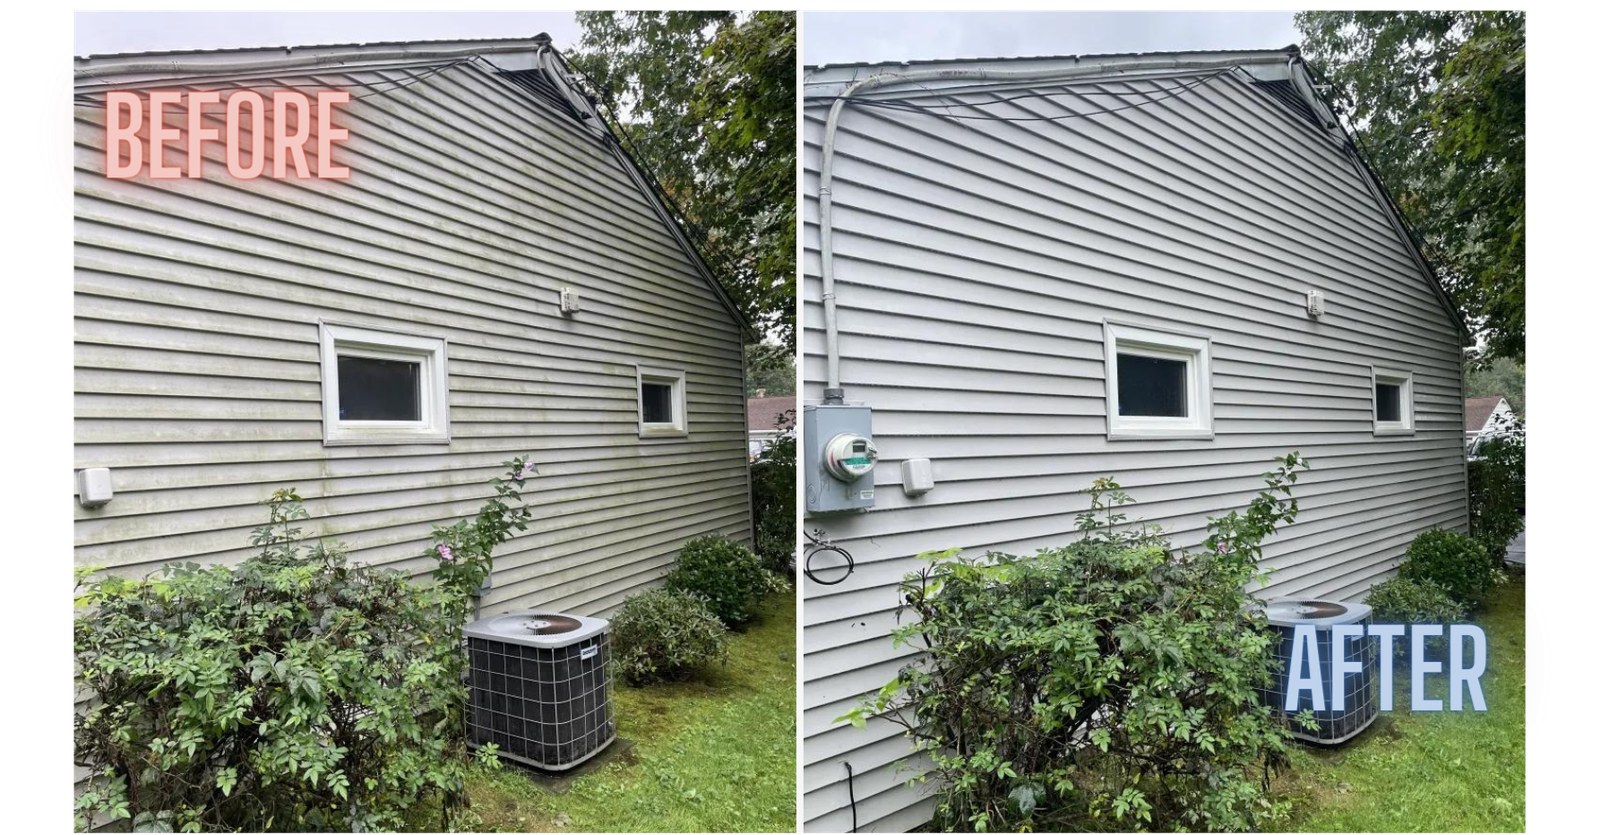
(472, 202)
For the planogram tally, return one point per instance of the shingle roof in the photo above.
(763, 411)
(1479, 409)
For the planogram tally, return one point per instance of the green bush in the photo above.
(1497, 487)
(772, 488)
(1456, 562)
(293, 692)
(1109, 683)
(663, 634)
(727, 575)
(1408, 601)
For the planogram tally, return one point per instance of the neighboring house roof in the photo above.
(1280, 74)
(521, 61)
(763, 412)
(1479, 409)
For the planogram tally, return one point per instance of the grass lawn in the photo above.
(1431, 772)
(713, 755)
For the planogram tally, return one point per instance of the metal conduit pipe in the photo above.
(834, 393)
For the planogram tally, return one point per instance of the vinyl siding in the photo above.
(975, 263)
(471, 204)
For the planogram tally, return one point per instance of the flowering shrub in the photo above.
(665, 634)
(1107, 684)
(727, 575)
(296, 691)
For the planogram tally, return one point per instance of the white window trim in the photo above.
(1407, 424)
(1193, 349)
(351, 340)
(679, 427)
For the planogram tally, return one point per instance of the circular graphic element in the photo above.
(1538, 667)
(55, 135)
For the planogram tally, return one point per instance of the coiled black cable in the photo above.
(817, 544)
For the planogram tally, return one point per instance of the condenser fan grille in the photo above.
(552, 624)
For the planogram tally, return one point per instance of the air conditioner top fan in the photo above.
(536, 629)
(1291, 611)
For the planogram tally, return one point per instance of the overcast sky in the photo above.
(95, 33)
(844, 37)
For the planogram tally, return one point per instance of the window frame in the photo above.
(1159, 343)
(432, 352)
(1407, 424)
(675, 377)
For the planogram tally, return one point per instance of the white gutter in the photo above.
(312, 58)
(834, 393)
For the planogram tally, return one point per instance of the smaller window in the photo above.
(380, 387)
(662, 409)
(1391, 402)
(1158, 384)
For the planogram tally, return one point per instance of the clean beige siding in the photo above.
(975, 262)
(471, 204)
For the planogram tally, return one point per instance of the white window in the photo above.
(1391, 402)
(380, 387)
(662, 412)
(1158, 383)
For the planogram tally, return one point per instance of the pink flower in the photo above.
(445, 553)
(528, 470)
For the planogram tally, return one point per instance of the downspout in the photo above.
(834, 392)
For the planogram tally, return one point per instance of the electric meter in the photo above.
(838, 458)
(848, 456)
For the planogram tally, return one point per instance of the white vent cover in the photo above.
(1314, 303)
(569, 301)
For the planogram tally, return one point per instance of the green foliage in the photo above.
(708, 100)
(772, 488)
(1109, 683)
(293, 692)
(727, 575)
(1409, 600)
(1439, 97)
(1500, 376)
(769, 368)
(1497, 486)
(1455, 562)
(663, 634)
(1412, 600)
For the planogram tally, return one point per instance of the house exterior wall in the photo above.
(975, 264)
(471, 204)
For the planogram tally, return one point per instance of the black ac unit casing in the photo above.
(1361, 689)
(543, 699)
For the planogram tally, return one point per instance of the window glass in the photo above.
(656, 399)
(1152, 387)
(379, 389)
(1388, 405)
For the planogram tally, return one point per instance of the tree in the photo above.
(769, 367)
(706, 99)
(1438, 99)
(1501, 376)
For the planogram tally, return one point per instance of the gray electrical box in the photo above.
(839, 458)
